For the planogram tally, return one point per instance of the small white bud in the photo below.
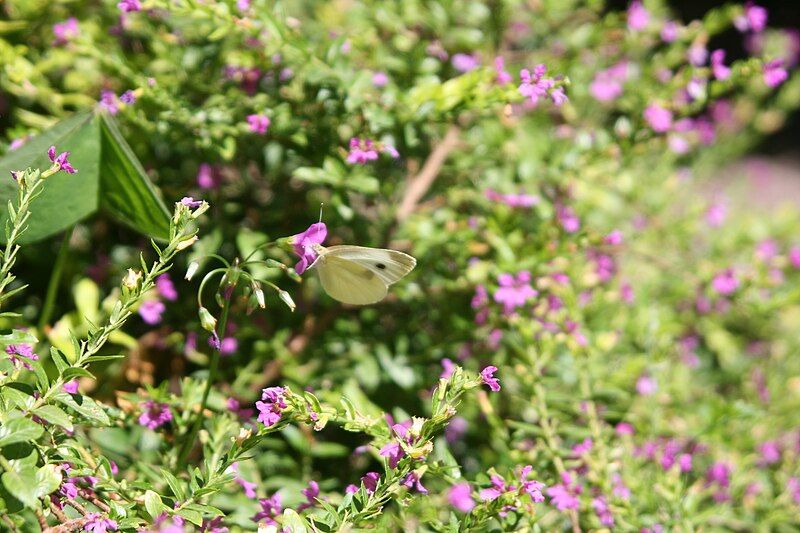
(192, 270)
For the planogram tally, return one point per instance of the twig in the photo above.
(419, 184)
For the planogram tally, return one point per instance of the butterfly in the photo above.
(359, 275)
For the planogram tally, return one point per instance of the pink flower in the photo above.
(767, 249)
(697, 55)
(380, 79)
(659, 118)
(721, 72)
(638, 16)
(793, 487)
(456, 429)
(774, 73)
(448, 367)
(412, 480)
(311, 493)
(129, 6)
(600, 507)
(190, 202)
(259, 123)
(70, 386)
(270, 509)
(151, 311)
(624, 428)
(646, 385)
(206, 178)
(128, 97)
(109, 102)
(60, 160)
(305, 245)
(535, 86)
(669, 32)
(754, 19)
(794, 256)
(502, 76)
(565, 495)
(512, 200)
(370, 481)
(514, 291)
(66, 31)
(248, 487)
(460, 497)
(20, 354)
(614, 238)
(154, 414)
(568, 218)
(487, 377)
(272, 403)
(770, 452)
(725, 282)
(716, 214)
(465, 62)
(96, 523)
(361, 151)
(166, 288)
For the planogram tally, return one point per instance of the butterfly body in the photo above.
(359, 275)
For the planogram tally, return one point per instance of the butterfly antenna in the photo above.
(321, 205)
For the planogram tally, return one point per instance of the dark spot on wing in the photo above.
(381, 266)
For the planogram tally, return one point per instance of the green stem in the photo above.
(212, 374)
(55, 280)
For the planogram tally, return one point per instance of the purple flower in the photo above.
(487, 377)
(370, 481)
(775, 73)
(568, 219)
(206, 177)
(97, 523)
(512, 200)
(270, 509)
(754, 19)
(214, 525)
(565, 495)
(380, 79)
(600, 506)
(69, 490)
(456, 429)
(228, 346)
(620, 489)
(794, 256)
(638, 16)
(66, 31)
(721, 72)
(659, 118)
(770, 452)
(646, 386)
(361, 151)
(460, 497)
(151, 311)
(248, 486)
(60, 160)
(258, 123)
(502, 76)
(697, 55)
(128, 97)
(311, 493)
(70, 386)
(496, 490)
(412, 480)
(154, 414)
(20, 354)
(624, 428)
(716, 214)
(531, 487)
(614, 238)
(272, 402)
(166, 288)
(793, 486)
(465, 62)
(129, 6)
(535, 86)
(725, 282)
(669, 32)
(514, 291)
(767, 249)
(109, 102)
(305, 245)
(448, 367)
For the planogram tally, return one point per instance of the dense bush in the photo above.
(587, 342)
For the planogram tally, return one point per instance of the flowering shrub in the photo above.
(587, 341)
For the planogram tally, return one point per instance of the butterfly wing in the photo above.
(389, 265)
(349, 282)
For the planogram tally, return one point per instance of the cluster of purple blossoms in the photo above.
(520, 200)
(527, 486)
(258, 123)
(66, 31)
(725, 283)
(271, 405)
(607, 84)
(129, 6)
(20, 354)
(514, 290)
(97, 523)
(638, 16)
(668, 453)
(60, 160)
(754, 19)
(535, 86)
(659, 118)
(718, 477)
(565, 495)
(365, 150)
(600, 506)
(775, 73)
(393, 450)
(270, 509)
(154, 414)
(568, 219)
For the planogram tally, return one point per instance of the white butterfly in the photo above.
(359, 275)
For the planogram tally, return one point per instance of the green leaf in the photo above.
(294, 522)
(174, 484)
(84, 406)
(126, 192)
(153, 504)
(54, 415)
(66, 198)
(19, 430)
(28, 484)
(191, 515)
(18, 337)
(58, 359)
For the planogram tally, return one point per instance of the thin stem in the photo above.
(55, 280)
(212, 374)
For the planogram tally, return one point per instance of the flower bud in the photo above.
(208, 322)
(191, 270)
(259, 295)
(200, 210)
(283, 295)
(131, 279)
(186, 243)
